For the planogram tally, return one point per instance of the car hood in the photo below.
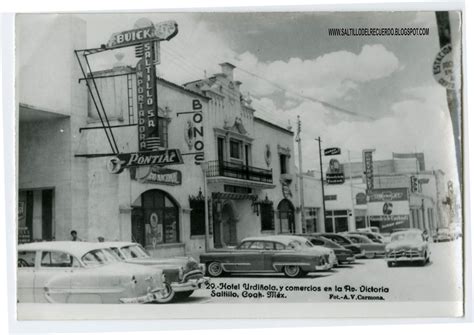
(404, 244)
(167, 263)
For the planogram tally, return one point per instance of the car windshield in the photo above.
(99, 257)
(134, 251)
(411, 236)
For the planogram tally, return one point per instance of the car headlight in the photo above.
(181, 273)
(420, 248)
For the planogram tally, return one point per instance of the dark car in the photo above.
(372, 249)
(295, 256)
(374, 237)
(343, 241)
(343, 255)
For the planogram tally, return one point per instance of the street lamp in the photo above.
(205, 168)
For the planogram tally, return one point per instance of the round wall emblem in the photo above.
(387, 208)
(114, 165)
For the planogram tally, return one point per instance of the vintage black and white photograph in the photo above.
(256, 163)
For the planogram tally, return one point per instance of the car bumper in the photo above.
(362, 254)
(149, 297)
(190, 284)
(404, 259)
(324, 267)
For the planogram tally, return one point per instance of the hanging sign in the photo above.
(163, 157)
(162, 31)
(147, 102)
(369, 169)
(332, 151)
(335, 172)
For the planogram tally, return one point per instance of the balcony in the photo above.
(239, 174)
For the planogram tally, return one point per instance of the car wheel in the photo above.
(166, 296)
(390, 264)
(292, 271)
(370, 255)
(183, 295)
(214, 269)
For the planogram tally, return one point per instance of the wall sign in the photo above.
(389, 194)
(361, 198)
(163, 157)
(387, 223)
(159, 175)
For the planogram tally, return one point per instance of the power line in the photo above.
(324, 103)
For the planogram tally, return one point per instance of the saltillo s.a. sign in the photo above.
(332, 151)
(162, 31)
(161, 158)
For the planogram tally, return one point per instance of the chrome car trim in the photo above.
(191, 284)
(289, 264)
(224, 265)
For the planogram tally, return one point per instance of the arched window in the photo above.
(286, 216)
(156, 221)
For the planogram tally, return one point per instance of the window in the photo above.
(283, 164)
(26, 259)
(198, 217)
(245, 245)
(337, 221)
(58, 259)
(279, 246)
(267, 216)
(235, 149)
(311, 217)
(317, 242)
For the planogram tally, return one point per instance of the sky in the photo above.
(386, 81)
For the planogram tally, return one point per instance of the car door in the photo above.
(254, 258)
(52, 280)
(26, 262)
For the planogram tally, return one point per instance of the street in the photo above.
(440, 280)
(364, 281)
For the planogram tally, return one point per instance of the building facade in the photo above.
(68, 176)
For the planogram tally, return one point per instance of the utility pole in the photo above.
(352, 225)
(322, 181)
(300, 163)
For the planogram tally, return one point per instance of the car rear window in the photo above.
(26, 259)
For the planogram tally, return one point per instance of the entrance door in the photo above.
(286, 214)
(156, 221)
(229, 225)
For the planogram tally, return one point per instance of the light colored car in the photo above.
(443, 234)
(295, 256)
(183, 274)
(408, 246)
(81, 272)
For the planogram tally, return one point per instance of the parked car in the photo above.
(183, 274)
(295, 256)
(371, 249)
(408, 246)
(443, 234)
(82, 272)
(343, 255)
(344, 241)
(374, 237)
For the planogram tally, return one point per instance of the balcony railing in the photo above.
(239, 171)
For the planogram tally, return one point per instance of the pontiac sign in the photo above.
(163, 157)
(162, 31)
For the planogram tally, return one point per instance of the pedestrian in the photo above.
(74, 236)
(100, 239)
